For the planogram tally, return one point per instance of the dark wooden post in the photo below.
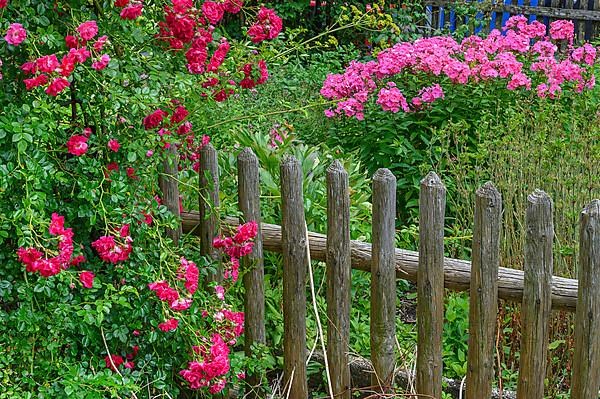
(295, 263)
(430, 286)
(483, 306)
(586, 360)
(167, 182)
(537, 296)
(209, 204)
(338, 279)
(383, 279)
(253, 264)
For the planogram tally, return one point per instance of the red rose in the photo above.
(213, 11)
(88, 30)
(154, 119)
(57, 85)
(77, 145)
(87, 279)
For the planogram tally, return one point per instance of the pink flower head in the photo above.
(87, 279)
(181, 304)
(88, 30)
(164, 291)
(77, 145)
(111, 251)
(3, 3)
(15, 34)
(71, 41)
(113, 145)
(121, 3)
(132, 11)
(101, 63)
(562, 30)
(213, 11)
(169, 325)
(267, 26)
(233, 6)
(154, 119)
(220, 291)
(47, 63)
(179, 114)
(57, 86)
(116, 360)
(100, 42)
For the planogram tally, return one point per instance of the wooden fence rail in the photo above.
(535, 288)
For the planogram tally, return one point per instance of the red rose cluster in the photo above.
(112, 249)
(237, 246)
(190, 30)
(38, 261)
(188, 273)
(210, 371)
(113, 361)
(267, 26)
(130, 9)
(177, 123)
(50, 72)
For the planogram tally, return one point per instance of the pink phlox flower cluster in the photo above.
(38, 261)
(519, 56)
(209, 371)
(113, 250)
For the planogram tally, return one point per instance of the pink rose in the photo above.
(88, 30)
(77, 145)
(113, 145)
(15, 34)
(87, 279)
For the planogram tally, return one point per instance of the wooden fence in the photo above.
(535, 287)
(585, 14)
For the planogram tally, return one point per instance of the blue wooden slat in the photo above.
(452, 21)
(493, 21)
(479, 17)
(506, 15)
(533, 3)
(442, 21)
(429, 16)
(547, 3)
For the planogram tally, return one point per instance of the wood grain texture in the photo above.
(339, 281)
(457, 272)
(209, 205)
(483, 305)
(252, 264)
(430, 286)
(537, 300)
(295, 262)
(586, 359)
(383, 280)
(167, 182)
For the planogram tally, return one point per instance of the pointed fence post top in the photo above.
(289, 162)
(539, 198)
(432, 180)
(384, 175)
(488, 190)
(247, 155)
(591, 210)
(336, 167)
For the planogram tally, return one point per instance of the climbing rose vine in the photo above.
(95, 96)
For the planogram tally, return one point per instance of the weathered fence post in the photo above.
(338, 279)
(586, 361)
(483, 306)
(430, 286)
(295, 263)
(253, 263)
(167, 182)
(383, 279)
(537, 298)
(209, 203)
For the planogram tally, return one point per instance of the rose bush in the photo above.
(95, 300)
